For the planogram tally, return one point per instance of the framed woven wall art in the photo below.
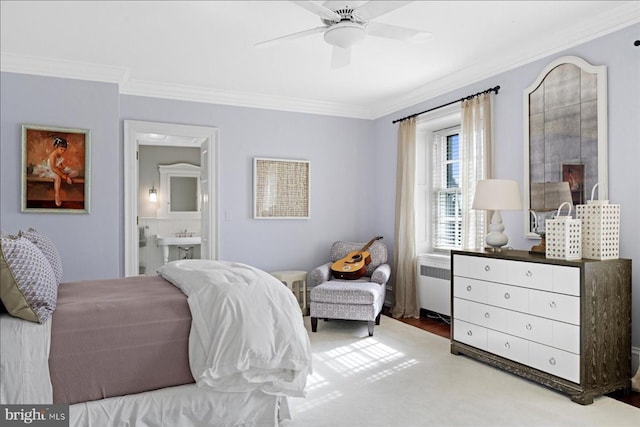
(280, 188)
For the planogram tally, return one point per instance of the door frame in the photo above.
(133, 129)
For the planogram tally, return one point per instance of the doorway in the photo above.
(168, 135)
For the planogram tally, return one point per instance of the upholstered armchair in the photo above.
(359, 299)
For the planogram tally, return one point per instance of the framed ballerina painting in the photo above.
(55, 169)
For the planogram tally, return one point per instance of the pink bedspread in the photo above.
(118, 336)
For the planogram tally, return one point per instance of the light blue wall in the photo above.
(339, 150)
(353, 164)
(89, 244)
(622, 59)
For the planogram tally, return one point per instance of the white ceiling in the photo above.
(204, 51)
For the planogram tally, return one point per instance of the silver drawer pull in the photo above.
(552, 304)
(469, 332)
(506, 295)
(469, 288)
(487, 315)
(529, 327)
(487, 268)
(507, 345)
(529, 273)
(552, 361)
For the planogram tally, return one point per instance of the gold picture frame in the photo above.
(55, 169)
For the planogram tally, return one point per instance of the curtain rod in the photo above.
(493, 89)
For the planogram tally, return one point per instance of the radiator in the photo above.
(433, 279)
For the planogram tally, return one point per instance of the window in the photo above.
(446, 193)
(431, 138)
(451, 156)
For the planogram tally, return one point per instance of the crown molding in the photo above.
(240, 99)
(617, 19)
(623, 16)
(54, 67)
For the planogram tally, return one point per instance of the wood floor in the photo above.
(438, 326)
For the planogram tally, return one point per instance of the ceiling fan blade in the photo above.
(373, 9)
(398, 33)
(288, 37)
(340, 57)
(319, 10)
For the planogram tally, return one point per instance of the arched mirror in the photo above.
(565, 133)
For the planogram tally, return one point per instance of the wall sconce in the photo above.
(153, 194)
(497, 195)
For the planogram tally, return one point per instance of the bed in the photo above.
(204, 343)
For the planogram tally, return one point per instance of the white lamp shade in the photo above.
(497, 194)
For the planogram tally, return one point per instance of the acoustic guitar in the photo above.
(354, 265)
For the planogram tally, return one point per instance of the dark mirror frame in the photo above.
(565, 124)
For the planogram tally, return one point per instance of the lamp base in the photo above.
(540, 248)
(496, 238)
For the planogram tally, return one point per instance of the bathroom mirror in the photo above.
(565, 133)
(179, 190)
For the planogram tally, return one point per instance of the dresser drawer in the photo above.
(474, 290)
(566, 280)
(556, 362)
(530, 275)
(470, 334)
(461, 309)
(510, 297)
(481, 268)
(566, 337)
(508, 346)
(530, 327)
(565, 308)
(488, 316)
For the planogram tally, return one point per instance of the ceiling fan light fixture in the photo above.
(345, 34)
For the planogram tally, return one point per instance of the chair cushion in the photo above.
(347, 292)
(377, 250)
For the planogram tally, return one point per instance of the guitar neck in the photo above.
(365, 247)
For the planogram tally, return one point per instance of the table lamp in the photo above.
(497, 195)
(546, 197)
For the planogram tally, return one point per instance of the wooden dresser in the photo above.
(564, 324)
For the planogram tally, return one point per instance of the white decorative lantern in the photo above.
(600, 228)
(564, 236)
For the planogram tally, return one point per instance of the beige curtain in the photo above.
(404, 288)
(476, 165)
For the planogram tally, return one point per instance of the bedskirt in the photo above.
(184, 406)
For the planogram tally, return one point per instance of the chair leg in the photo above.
(314, 324)
(370, 325)
(378, 318)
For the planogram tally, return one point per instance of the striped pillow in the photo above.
(28, 286)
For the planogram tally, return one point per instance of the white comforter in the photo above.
(247, 331)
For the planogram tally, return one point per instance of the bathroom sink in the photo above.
(173, 240)
(166, 240)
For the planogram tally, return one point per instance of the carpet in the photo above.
(407, 377)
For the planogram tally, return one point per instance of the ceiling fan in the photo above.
(346, 24)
